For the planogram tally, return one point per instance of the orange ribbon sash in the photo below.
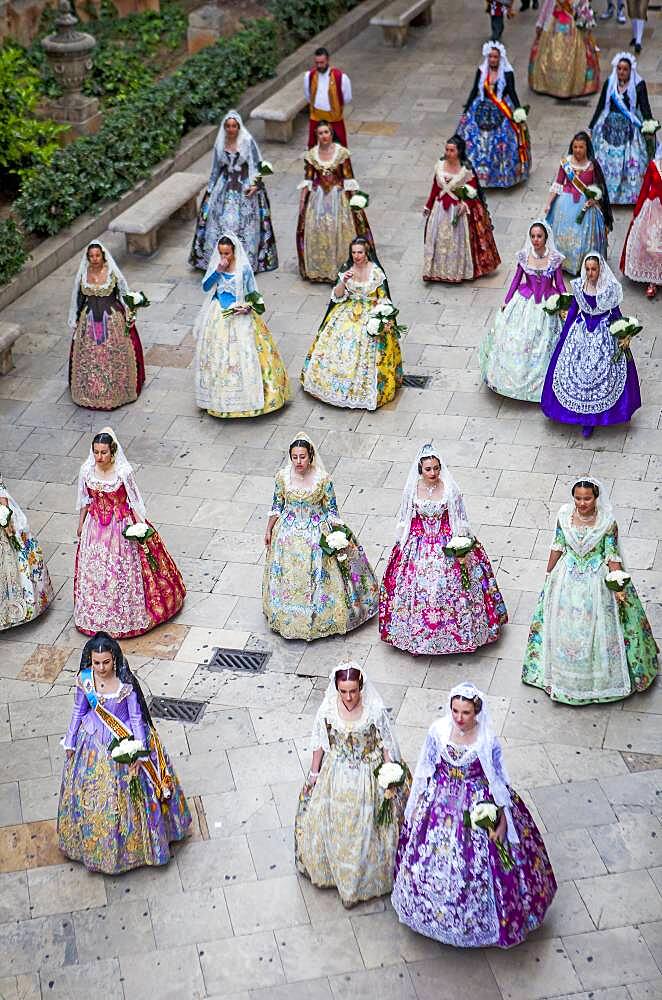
(506, 111)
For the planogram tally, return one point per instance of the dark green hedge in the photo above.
(13, 254)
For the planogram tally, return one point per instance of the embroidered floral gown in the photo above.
(449, 882)
(305, 593)
(574, 239)
(457, 247)
(106, 367)
(116, 588)
(424, 606)
(619, 145)
(498, 148)
(641, 259)
(514, 355)
(564, 59)
(346, 366)
(238, 369)
(584, 385)
(99, 821)
(326, 223)
(337, 841)
(25, 586)
(583, 647)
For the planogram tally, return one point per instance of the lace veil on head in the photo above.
(504, 66)
(550, 246)
(19, 521)
(604, 509)
(122, 284)
(452, 497)
(612, 85)
(246, 145)
(317, 464)
(241, 266)
(609, 291)
(374, 710)
(124, 470)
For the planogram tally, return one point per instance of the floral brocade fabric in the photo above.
(337, 841)
(305, 593)
(116, 587)
(449, 882)
(564, 61)
(25, 586)
(425, 607)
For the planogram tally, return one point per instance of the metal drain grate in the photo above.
(415, 381)
(248, 661)
(177, 709)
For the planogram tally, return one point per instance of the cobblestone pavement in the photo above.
(229, 917)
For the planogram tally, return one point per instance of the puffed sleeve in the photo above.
(559, 544)
(208, 283)
(249, 281)
(339, 298)
(559, 181)
(79, 711)
(308, 176)
(611, 545)
(434, 194)
(278, 502)
(349, 183)
(559, 281)
(330, 502)
(136, 721)
(514, 285)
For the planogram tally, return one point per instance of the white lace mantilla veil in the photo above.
(241, 262)
(374, 711)
(124, 470)
(603, 521)
(122, 284)
(317, 464)
(19, 521)
(504, 66)
(609, 291)
(486, 747)
(246, 145)
(612, 85)
(452, 497)
(550, 246)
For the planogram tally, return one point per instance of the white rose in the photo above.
(358, 201)
(138, 530)
(619, 577)
(266, 165)
(620, 326)
(337, 540)
(389, 774)
(484, 810)
(385, 309)
(373, 326)
(5, 515)
(460, 542)
(633, 321)
(650, 126)
(552, 302)
(519, 115)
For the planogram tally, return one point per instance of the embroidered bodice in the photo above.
(304, 507)
(362, 291)
(587, 548)
(225, 283)
(92, 289)
(123, 705)
(537, 283)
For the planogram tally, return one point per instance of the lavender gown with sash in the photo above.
(584, 385)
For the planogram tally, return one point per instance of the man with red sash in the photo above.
(327, 91)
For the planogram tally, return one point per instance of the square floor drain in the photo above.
(248, 661)
(415, 381)
(176, 709)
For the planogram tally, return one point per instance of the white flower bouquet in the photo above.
(253, 299)
(556, 304)
(382, 319)
(520, 115)
(617, 580)
(650, 126)
(359, 201)
(390, 775)
(264, 169)
(458, 547)
(5, 522)
(141, 532)
(485, 816)
(133, 302)
(592, 193)
(335, 543)
(465, 193)
(623, 330)
(128, 751)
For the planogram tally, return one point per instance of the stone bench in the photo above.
(279, 111)
(175, 198)
(9, 334)
(396, 19)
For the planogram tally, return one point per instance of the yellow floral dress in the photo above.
(305, 593)
(337, 841)
(346, 365)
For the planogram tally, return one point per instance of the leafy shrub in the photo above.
(13, 254)
(25, 141)
(302, 19)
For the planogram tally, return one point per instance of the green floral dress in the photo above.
(583, 646)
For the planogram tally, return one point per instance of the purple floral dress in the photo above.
(449, 882)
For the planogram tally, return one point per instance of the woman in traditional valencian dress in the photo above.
(459, 245)
(25, 586)
(307, 593)
(619, 144)
(451, 883)
(641, 259)
(514, 355)
(338, 842)
(236, 200)
(238, 370)
(578, 207)
(326, 222)
(106, 366)
(564, 60)
(121, 586)
(431, 603)
(350, 363)
(589, 382)
(116, 816)
(588, 643)
(498, 146)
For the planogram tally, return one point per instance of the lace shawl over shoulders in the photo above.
(375, 279)
(90, 288)
(340, 154)
(555, 260)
